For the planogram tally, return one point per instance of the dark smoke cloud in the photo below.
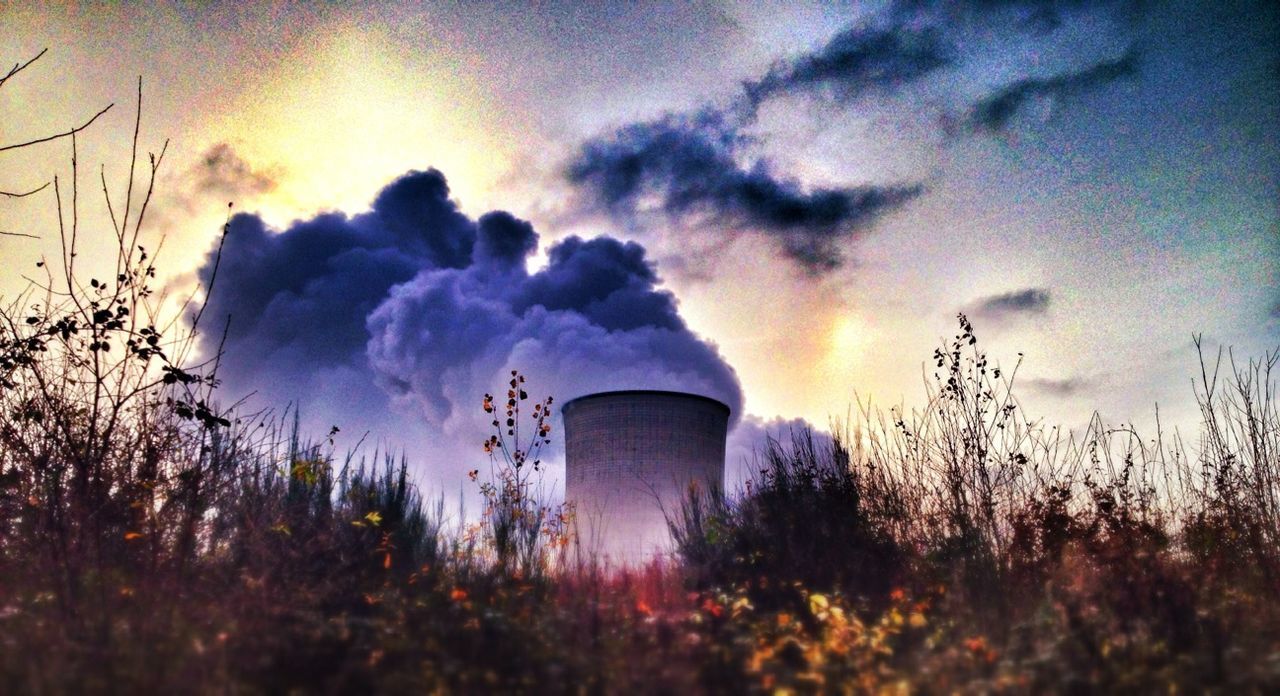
(415, 305)
(690, 165)
(1061, 388)
(854, 61)
(691, 162)
(209, 181)
(300, 297)
(995, 112)
(607, 281)
(591, 321)
(221, 171)
(1025, 301)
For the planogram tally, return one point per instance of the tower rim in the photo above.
(564, 409)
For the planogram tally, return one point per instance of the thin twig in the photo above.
(213, 275)
(151, 185)
(28, 193)
(17, 68)
(121, 256)
(133, 161)
(46, 139)
(75, 199)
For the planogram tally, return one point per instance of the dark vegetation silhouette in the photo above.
(152, 541)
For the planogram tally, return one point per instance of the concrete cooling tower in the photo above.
(629, 455)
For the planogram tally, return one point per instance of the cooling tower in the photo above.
(630, 455)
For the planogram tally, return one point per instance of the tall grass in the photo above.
(1100, 558)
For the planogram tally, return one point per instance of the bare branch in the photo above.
(18, 234)
(75, 199)
(73, 131)
(213, 275)
(133, 161)
(28, 193)
(151, 185)
(17, 68)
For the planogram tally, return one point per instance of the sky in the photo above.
(782, 205)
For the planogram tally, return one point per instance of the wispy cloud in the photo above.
(1061, 388)
(690, 167)
(694, 168)
(1016, 302)
(853, 62)
(994, 112)
(220, 170)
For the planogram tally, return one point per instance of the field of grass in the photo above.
(153, 542)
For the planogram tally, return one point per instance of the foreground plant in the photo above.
(522, 529)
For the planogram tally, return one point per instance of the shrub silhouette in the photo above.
(803, 521)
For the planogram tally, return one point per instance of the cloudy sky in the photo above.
(779, 204)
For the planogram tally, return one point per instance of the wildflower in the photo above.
(818, 606)
(458, 594)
